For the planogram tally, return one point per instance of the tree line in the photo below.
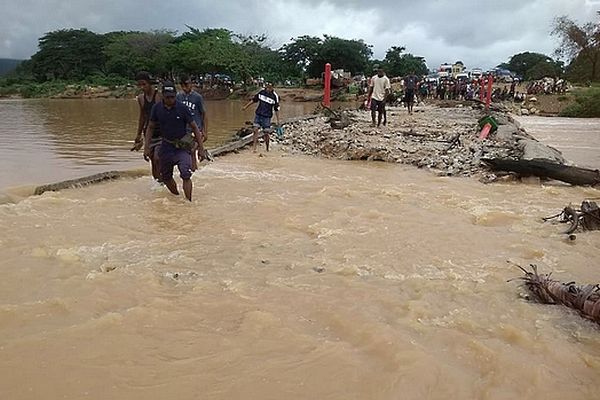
(82, 55)
(579, 45)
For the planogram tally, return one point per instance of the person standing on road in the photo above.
(268, 102)
(173, 117)
(410, 87)
(379, 90)
(194, 101)
(146, 101)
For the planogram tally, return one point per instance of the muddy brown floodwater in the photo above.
(292, 277)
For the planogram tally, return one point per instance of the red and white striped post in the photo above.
(327, 85)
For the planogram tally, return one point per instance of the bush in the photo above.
(45, 89)
(587, 104)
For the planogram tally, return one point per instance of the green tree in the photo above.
(398, 64)
(349, 55)
(579, 43)
(534, 65)
(130, 52)
(301, 51)
(68, 54)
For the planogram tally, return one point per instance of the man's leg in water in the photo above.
(184, 164)
(267, 138)
(155, 163)
(187, 189)
(255, 138)
(384, 112)
(172, 186)
(167, 162)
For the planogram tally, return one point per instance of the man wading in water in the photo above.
(267, 101)
(146, 101)
(173, 117)
(194, 101)
(379, 89)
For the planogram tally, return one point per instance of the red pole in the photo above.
(481, 85)
(488, 100)
(327, 83)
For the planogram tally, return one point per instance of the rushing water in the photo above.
(291, 277)
(44, 141)
(578, 139)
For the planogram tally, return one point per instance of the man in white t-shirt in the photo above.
(379, 90)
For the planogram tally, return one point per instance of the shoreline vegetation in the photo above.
(79, 63)
(581, 102)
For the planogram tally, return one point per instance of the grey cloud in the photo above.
(479, 32)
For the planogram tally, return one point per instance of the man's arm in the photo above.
(140, 128)
(149, 131)
(248, 104)
(202, 109)
(198, 135)
(147, 139)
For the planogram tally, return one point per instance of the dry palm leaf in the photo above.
(583, 298)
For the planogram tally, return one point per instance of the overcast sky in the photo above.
(482, 33)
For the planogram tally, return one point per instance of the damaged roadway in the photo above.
(444, 140)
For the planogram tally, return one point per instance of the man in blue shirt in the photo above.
(194, 101)
(267, 101)
(173, 117)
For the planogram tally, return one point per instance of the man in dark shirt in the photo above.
(173, 117)
(410, 86)
(267, 101)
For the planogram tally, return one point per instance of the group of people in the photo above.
(172, 127)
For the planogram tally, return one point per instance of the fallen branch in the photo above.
(587, 217)
(583, 298)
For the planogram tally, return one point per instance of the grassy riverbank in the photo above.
(586, 104)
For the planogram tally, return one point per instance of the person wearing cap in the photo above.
(173, 117)
(194, 101)
(146, 101)
(268, 101)
(379, 89)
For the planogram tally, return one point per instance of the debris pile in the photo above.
(442, 139)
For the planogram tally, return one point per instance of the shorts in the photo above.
(409, 96)
(262, 122)
(377, 105)
(170, 157)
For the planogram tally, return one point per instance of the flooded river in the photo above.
(291, 277)
(45, 141)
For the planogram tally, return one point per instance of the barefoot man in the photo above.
(267, 101)
(146, 100)
(173, 117)
(379, 89)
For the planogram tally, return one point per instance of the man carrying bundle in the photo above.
(173, 117)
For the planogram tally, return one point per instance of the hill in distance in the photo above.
(7, 65)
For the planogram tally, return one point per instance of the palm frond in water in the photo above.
(583, 298)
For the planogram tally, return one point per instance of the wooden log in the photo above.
(546, 169)
(79, 182)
